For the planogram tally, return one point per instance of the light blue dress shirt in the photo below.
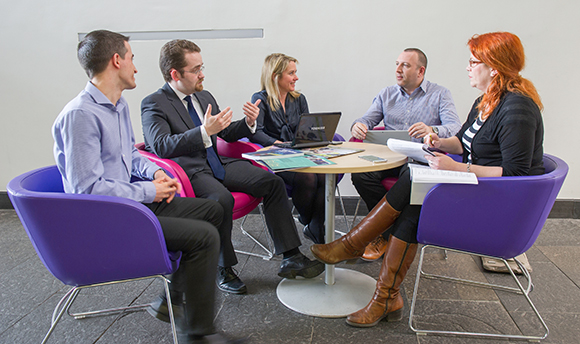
(429, 103)
(94, 149)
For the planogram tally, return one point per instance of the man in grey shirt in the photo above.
(413, 104)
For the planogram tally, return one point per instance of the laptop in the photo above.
(314, 130)
(381, 136)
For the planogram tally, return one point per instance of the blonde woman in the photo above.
(280, 109)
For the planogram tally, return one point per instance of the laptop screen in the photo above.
(316, 127)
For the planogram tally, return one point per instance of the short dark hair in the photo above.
(96, 49)
(173, 56)
(421, 55)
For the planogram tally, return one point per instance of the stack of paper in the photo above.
(330, 152)
(414, 150)
(424, 179)
(273, 153)
(281, 159)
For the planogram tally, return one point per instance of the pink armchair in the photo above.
(243, 203)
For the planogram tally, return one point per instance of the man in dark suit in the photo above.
(181, 121)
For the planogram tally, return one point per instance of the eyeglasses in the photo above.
(196, 70)
(473, 63)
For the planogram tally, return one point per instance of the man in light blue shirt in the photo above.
(413, 104)
(95, 154)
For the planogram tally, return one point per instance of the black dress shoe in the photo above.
(300, 265)
(228, 281)
(158, 308)
(315, 238)
(215, 338)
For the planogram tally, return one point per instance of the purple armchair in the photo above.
(498, 218)
(90, 240)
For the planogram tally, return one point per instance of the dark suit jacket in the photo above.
(170, 133)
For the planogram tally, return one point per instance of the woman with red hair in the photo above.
(503, 136)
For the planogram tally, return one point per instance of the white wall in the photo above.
(346, 51)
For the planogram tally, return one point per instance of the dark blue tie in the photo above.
(214, 162)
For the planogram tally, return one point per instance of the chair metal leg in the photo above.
(355, 212)
(476, 283)
(519, 290)
(343, 211)
(269, 250)
(67, 300)
(170, 308)
(295, 216)
(58, 312)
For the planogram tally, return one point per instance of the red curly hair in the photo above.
(503, 52)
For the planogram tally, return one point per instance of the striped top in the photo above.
(469, 134)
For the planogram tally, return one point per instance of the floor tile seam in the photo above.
(26, 259)
(33, 309)
(312, 326)
(148, 285)
(517, 323)
(557, 267)
(113, 322)
(462, 300)
(219, 309)
(543, 312)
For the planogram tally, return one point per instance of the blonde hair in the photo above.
(274, 65)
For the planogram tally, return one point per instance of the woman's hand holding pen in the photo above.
(432, 140)
(438, 161)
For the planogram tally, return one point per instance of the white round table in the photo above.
(338, 292)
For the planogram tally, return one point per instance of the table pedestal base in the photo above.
(351, 291)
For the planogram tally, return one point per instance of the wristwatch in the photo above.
(435, 130)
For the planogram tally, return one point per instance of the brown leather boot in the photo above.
(352, 244)
(387, 301)
(375, 249)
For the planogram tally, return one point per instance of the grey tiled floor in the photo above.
(28, 294)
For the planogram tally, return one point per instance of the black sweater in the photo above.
(511, 137)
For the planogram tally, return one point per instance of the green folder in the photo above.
(294, 162)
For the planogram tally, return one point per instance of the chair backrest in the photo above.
(88, 239)
(499, 217)
(338, 137)
(243, 203)
(236, 149)
(171, 167)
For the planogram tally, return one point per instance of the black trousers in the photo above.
(190, 226)
(369, 187)
(242, 176)
(399, 197)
